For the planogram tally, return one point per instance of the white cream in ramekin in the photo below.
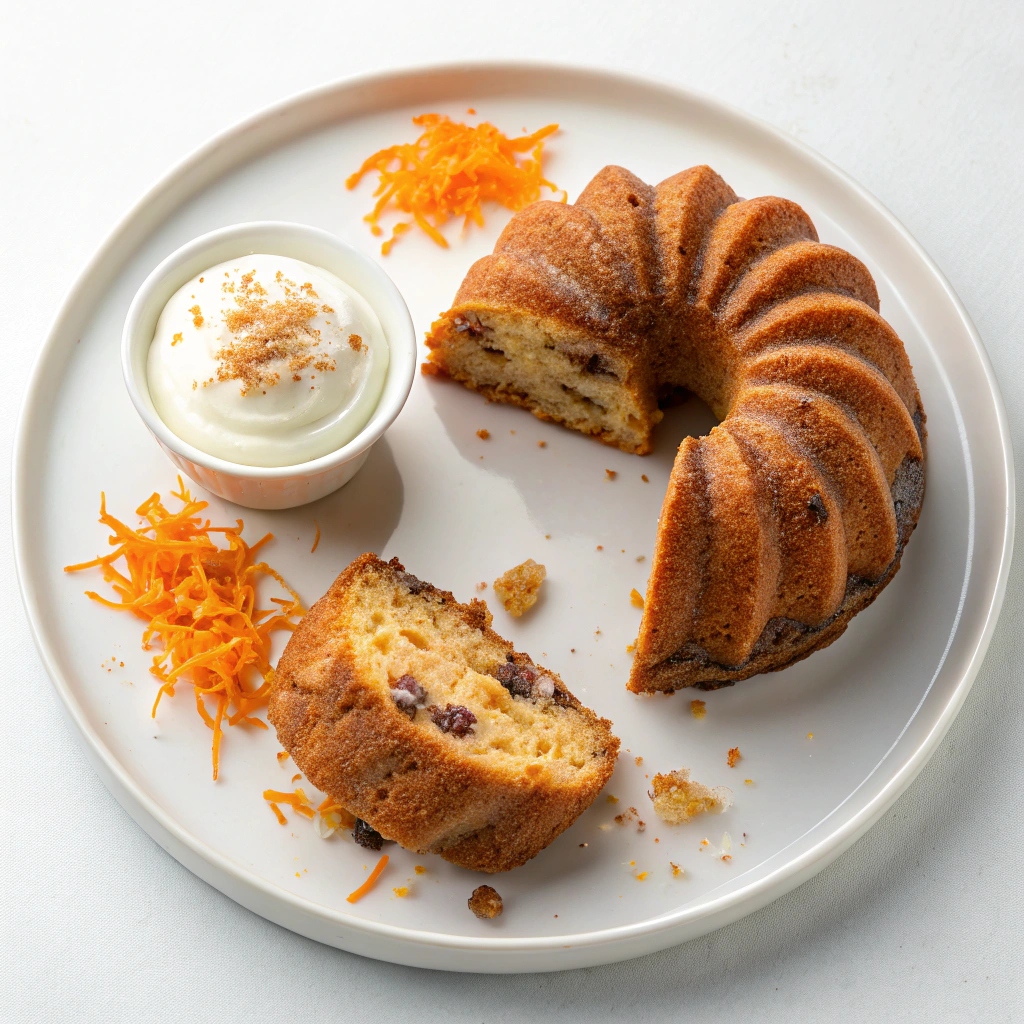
(266, 360)
(305, 480)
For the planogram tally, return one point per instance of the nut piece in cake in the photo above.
(486, 902)
(677, 798)
(421, 721)
(519, 588)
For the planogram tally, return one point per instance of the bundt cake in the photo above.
(413, 714)
(792, 514)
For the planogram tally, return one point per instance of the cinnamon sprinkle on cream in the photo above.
(266, 332)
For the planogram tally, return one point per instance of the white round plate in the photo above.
(458, 510)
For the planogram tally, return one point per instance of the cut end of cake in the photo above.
(555, 372)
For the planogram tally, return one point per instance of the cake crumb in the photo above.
(677, 798)
(698, 708)
(748, 782)
(810, 735)
(639, 558)
(484, 434)
(542, 444)
(628, 817)
(611, 474)
(734, 757)
(636, 599)
(600, 547)
(642, 875)
(612, 799)
(401, 891)
(482, 585)
(677, 871)
(638, 760)
(420, 869)
(519, 588)
(643, 476)
(486, 903)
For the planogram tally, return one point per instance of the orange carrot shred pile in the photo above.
(449, 171)
(354, 897)
(198, 600)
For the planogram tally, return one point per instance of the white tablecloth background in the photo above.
(923, 102)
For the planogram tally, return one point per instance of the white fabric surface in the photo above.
(923, 102)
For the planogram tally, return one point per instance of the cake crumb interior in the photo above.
(418, 635)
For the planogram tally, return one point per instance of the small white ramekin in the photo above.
(277, 486)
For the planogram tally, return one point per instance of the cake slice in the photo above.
(410, 711)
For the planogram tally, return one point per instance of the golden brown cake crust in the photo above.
(405, 777)
(793, 513)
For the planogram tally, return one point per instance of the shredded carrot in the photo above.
(449, 171)
(316, 539)
(298, 800)
(198, 601)
(335, 815)
(354, 897)
(295, 778)
(281, 819)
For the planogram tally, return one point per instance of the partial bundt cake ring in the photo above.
(792, 514)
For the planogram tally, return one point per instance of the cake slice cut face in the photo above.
(410, 711)
(793, 513)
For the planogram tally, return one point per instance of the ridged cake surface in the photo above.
(791, 515)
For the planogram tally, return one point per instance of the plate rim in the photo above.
(196, 170)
